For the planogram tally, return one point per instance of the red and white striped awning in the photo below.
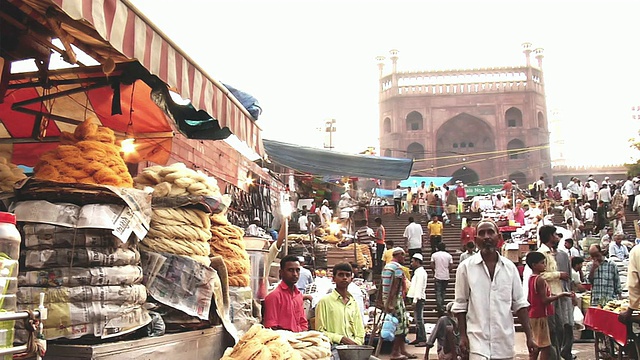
(116, 29)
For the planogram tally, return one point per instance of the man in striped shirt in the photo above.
(393, 293)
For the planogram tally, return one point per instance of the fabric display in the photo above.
(228, 241)
(89, 155)
(9, 175)
(91, 278)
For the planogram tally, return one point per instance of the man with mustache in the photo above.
(488, 291)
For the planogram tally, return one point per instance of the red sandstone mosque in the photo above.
(476, 125)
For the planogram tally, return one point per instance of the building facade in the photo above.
(476, 125)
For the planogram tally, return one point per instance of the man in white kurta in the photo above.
(488, 291)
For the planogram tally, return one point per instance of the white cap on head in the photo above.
(417, 256)
(606, 178)
(397, 250)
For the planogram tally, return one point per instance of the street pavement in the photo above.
(583, 351)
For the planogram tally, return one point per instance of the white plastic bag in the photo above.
(578, 317)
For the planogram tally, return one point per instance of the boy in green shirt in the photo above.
(337, 314)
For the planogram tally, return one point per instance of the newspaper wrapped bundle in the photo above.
(72, 320)
(179, 282)
(46, 236)
(93, 291)
(82, 257)
(260, 343)
(227, 241)
(179, 231)
(176, 180)
(9, 175)
(132, 294)
(96, 276)
(89, 155)
(241, 308)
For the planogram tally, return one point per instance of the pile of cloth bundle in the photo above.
(92, 280)
(265, 344)
(89, 155)
(180, 231)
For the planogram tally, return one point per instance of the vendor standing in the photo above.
(337, 314)
(254, 228)
(283, 308)
(604, 278)
(633, 284)
(325, 213)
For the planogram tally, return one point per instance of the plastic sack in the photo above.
(578, 317)
(389, 327)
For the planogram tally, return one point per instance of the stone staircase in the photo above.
(451, 237)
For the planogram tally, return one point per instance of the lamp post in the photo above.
(285, 208)
(330, 127)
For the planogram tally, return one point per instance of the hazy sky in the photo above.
(308, 61)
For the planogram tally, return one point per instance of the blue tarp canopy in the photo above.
(414, 181)
(324, 162)
(387, 193)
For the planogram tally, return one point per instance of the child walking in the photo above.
(540, 307)
(422, 205)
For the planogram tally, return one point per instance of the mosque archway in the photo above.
(466, 175)
(475, 133)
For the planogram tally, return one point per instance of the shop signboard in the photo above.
(482, 189)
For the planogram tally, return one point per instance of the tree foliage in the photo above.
(633, 169)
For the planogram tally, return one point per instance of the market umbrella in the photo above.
(35, 112)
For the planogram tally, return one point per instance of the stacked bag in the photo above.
(91, 279)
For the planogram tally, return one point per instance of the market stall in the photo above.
(318, 162)
(94, 132)
(613, 339)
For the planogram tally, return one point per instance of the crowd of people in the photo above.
(489, 288)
